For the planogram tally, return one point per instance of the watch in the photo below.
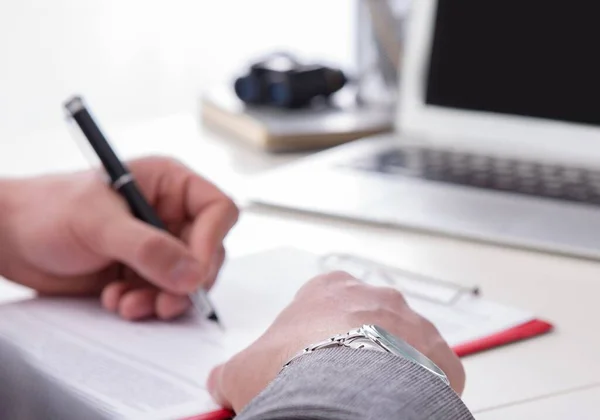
(373, 337)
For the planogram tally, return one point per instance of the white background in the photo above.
(134, 59)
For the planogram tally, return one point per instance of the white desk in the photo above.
(552, 371)
(580, 405)
(138, 60)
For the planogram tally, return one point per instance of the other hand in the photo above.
(73, 235)
(327, 305)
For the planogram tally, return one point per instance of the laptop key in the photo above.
(487, 172)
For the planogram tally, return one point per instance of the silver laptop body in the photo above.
(497, 134)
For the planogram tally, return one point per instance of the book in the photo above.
(279, 130)
(158, 370)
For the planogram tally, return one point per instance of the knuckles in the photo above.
(331, 280)
(231, 209)
(392, 295)
(337, 276)
(155, 162)
(354, 295)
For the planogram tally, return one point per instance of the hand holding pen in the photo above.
(172, 250)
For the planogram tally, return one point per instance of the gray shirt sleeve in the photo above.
(347, 384)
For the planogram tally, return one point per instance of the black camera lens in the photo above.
(248, 89)
(280, 94)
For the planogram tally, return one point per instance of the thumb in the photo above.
(153, 254)
(214, 385)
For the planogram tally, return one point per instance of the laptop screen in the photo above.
(520, 57)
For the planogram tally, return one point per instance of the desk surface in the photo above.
(547, 374)
(581, 405)
(158, 66)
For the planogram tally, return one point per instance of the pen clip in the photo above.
(86, 149)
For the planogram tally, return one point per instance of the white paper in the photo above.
(470, 318)
(269, 281)
(127, 369)
(156, 369)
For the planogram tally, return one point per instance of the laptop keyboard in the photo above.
(480, 171)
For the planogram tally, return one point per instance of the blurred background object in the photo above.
(139, 59)
(301, 106)
(155, 57)
(281, 80)
(143, 65)
(479, 147)
(282, 103)
(379, 37)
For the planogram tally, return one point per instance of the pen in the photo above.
(123, 182)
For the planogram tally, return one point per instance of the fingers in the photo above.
(112, 294)
(134, 302)
(170, 306)
(138, 304)
(154, 255)
(213, 215)
(215, 268)
(181, 195)
(174, 188)
(209, 230)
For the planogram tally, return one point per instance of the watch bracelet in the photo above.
(339, 340)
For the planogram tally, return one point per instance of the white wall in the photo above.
(134, 59)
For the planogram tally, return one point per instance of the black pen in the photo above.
(123, 182)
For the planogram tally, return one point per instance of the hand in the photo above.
(72, 235)
(327, 305)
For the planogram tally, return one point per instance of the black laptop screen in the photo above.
(520, 57)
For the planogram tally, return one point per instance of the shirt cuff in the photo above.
(343, 383)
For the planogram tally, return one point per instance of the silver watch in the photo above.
(372, 337)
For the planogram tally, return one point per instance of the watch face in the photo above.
(402, 348)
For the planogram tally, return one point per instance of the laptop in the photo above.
(496, 137)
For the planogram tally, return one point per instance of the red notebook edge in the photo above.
(221, 414)
(521, 332)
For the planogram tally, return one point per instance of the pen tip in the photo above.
(213, 317)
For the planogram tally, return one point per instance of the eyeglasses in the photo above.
(411, 284)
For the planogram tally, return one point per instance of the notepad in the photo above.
(158, 370)
(280, 130)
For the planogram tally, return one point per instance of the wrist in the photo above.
(375, 338)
